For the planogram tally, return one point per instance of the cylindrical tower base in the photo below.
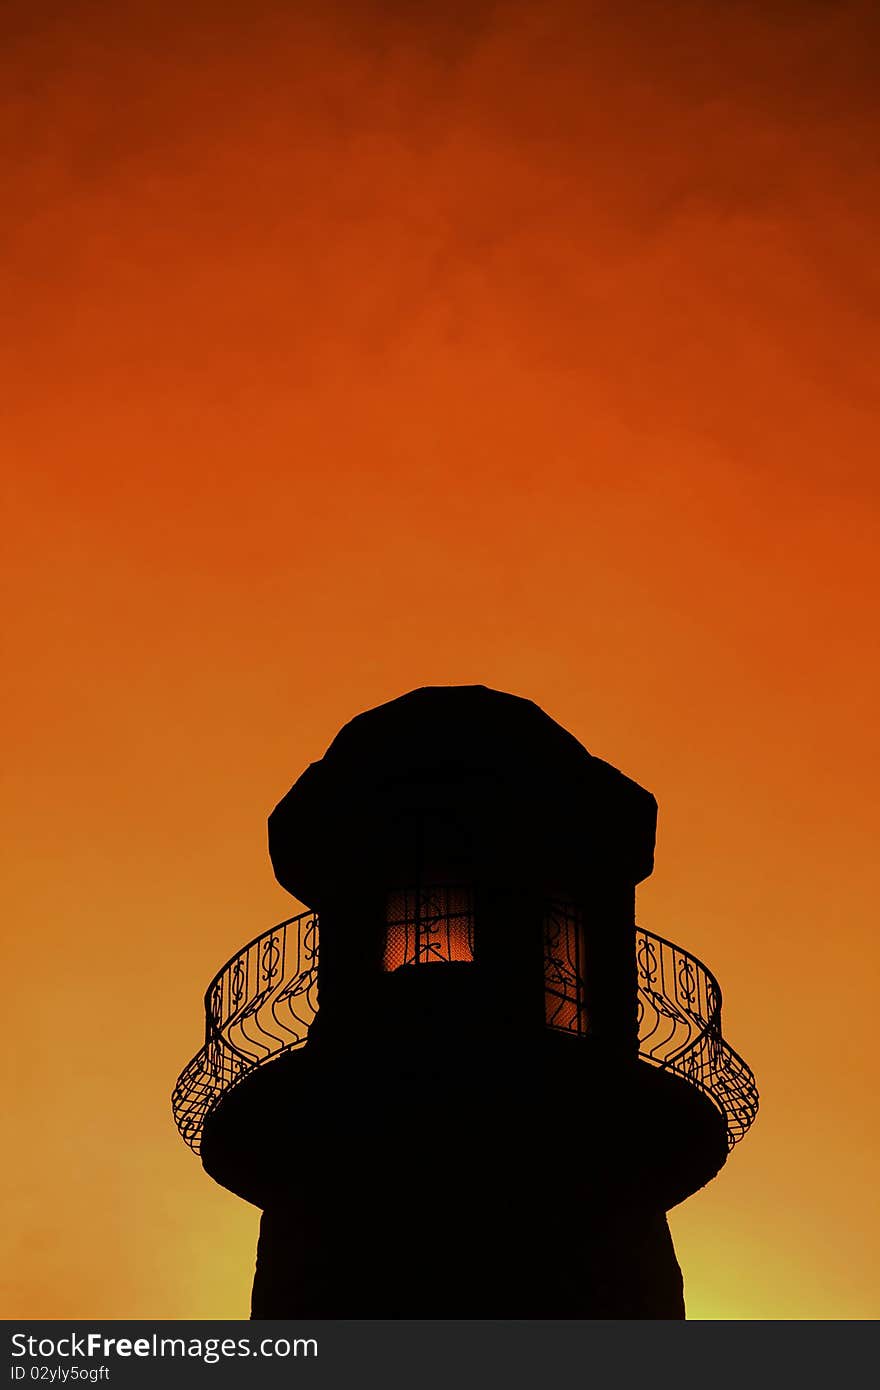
(430, 1245)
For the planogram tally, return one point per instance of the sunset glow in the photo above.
(526, 345)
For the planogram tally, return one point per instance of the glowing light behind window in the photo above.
(433, 923)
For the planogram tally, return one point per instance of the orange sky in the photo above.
(526, 345)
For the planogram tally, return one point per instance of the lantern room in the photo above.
(457, 841)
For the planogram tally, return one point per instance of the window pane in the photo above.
(564, 1005)
(429, 923)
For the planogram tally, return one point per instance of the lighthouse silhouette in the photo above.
(464, 1083)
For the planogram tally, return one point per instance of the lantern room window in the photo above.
(564, 968)
(433, 923)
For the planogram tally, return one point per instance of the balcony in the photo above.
(679, 1016)
(261, 1003)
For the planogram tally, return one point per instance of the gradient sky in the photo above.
(531, 345)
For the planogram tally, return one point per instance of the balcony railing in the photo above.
(679, 1015)
(261, 1003)
(257, 1007)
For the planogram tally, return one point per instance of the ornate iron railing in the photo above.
(679, 1016)
(257, 1007)
(261, 1003)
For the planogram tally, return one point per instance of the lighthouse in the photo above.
(464, 1083)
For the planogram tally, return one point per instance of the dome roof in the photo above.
(494, 755)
